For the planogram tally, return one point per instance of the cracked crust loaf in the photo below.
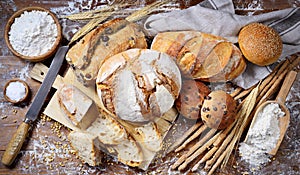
(138, 85)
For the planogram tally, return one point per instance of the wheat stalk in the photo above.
(145, 11)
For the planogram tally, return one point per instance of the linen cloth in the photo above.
(218, 17)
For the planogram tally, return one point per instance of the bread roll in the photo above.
(202, 56)
(218, 110)
(191, 98)
(138, 85)
(112, 37)
(260, 44)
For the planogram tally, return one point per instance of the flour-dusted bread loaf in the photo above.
(138, 85)
(85, 146)
(191, 97)
(76, 106)
(112, 37)
(202, 56)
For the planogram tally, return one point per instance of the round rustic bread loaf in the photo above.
(138, 85)
(191, 98)
(218, 110)
(260, 44)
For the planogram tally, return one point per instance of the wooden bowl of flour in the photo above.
(33, 34)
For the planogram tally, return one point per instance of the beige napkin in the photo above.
(218, 17)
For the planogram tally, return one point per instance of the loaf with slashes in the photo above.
(202, 56)
(138, 85)
(112, 37)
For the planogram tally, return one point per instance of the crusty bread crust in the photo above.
(201, 56)
(218, 110)
(112, 37)
(260, 44)
(191, 98)
(138, 85)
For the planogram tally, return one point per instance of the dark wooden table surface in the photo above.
(48, 152)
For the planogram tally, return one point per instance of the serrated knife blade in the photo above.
(15, 144)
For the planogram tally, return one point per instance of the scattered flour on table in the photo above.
(24, 72)
(262, 136)
(33, 33)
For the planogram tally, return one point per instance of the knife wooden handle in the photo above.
(15, 144)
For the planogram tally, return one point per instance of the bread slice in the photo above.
(236, 65)
(116, 140)
(216, 61)
(112, 37)
(172, 42)
(129, 152)
(79, 108)
(151, 138)
(84, 145)
(108, 130)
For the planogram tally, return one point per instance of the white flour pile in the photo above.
(263, 136)
(33, 33)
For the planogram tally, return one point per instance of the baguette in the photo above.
(202, 56)
(112, 37)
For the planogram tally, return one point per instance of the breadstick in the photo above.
(272, 89)
(201, 142)
(185, 136)
(244, 93)
(199, 151)
(223, 135)
(219, 160)
(236, 91)
(216, 143)
(205, 157)
(221, 149)
(195, 135)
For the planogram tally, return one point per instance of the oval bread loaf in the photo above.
(138, 85)
(112, 37)
(218, 110)
(202, 56)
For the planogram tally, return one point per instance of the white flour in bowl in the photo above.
(33, 33)
(263, 136)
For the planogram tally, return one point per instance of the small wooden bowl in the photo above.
(39, 57)
(26, 91)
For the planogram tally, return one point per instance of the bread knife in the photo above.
(16, 142)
